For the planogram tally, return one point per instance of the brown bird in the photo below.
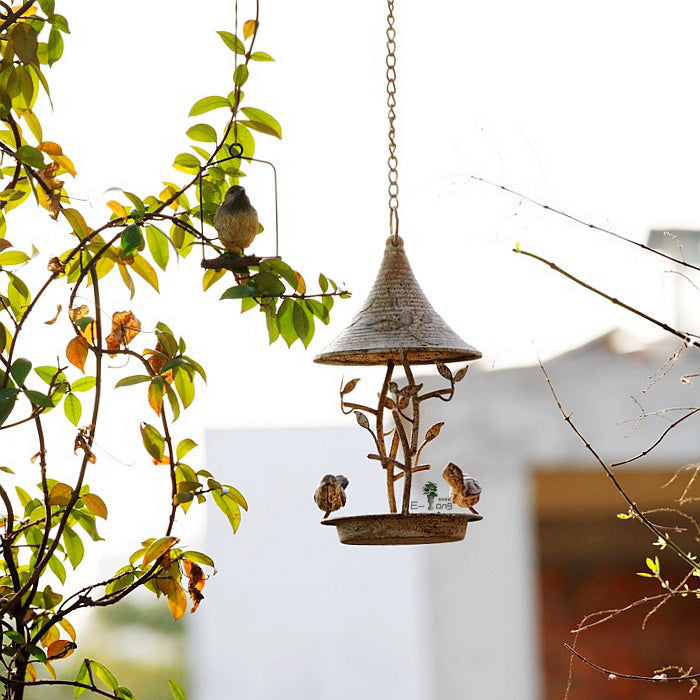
(236, 221)
(465, 491)
(330, 495)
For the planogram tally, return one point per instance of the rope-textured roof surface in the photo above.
(396, 319)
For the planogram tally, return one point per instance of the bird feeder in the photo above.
(397, 327)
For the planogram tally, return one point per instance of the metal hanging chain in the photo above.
(391, 104)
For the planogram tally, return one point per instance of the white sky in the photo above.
(590, 109)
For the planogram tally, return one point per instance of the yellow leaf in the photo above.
(50, 148)
(249, 28)
(156, 390)
(60, 494)
(77, 351)
(177, 601)
(166, 194)
(50, 669)
(68, 628)
(117, 208)
(60, 649)
(52, 635)
(157, 549)
(89, 332)
(95, 505)
(77, 223)
(30, 673)
(65, 162)
(301, 284)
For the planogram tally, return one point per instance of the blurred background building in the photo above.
(295, 614)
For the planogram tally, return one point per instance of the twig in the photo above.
(588, 225)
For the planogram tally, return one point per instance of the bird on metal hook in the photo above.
(330, 495)
(236, 221)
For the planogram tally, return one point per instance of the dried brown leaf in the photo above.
(444, 370)
(78, 312)
(76, 352)
(350, 386)
(462, 373)
(362, 419)
(433, 432)
(59, 308)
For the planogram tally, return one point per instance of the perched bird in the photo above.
(236, 221)
(330, 495)
(465, 490)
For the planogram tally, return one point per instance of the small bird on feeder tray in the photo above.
(236, 221)
(330, 495)
(465, 490)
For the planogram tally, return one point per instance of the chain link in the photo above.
(392, 161)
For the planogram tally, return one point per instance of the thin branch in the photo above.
(669, 542)
(673, 331)
(588, 225)
(643, 453)
(665, 679)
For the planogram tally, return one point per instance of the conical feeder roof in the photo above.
(396, 319)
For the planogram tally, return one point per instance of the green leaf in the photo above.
(240, 75)
(207, 104)
(24, 42)
(47, 6)
(285, 319)
(153, 441)
(184, 385)
(233, 42)
(318, 310)
(139, 206)
(39, 399)
(58, 569)
(261, 56)
(134, 379)
(303, 322)
(239, 292)
(5, 104)
(229, 508)
(82, 677)
(186, 163)
(236, 495)
(13, 257)
(36, 652)
(203, 133)
(198, 558)
(267, 283)
(84, 384)
(20, 369)
(103, 673)
(47, 373)
(31, 156)
(261, 118)
(176, 690)
(144, 269)
(158, 246)
(184, 446)
(60, 22)
(54, 46)
(74, 546)
(72, 408)
(131, 240)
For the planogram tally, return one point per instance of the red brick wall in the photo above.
(672, 636)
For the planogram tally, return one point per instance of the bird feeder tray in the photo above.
(228, 262)
(396, 323)
(397, 529)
